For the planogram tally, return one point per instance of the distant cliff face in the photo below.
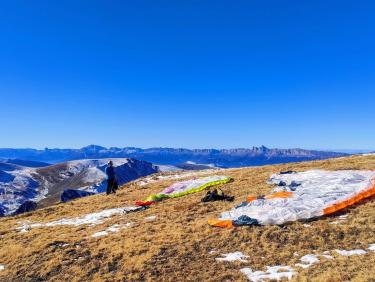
(169, 156)
(19, 184)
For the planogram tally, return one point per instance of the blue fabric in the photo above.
(243, 204)
(245, 220)
(70, 194)
(110, 171)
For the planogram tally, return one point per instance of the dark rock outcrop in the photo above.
(71, 194)
(26, 207)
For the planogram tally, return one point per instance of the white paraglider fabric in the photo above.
(311, 194)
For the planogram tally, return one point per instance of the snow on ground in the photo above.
(327, 255)
(183, 174)
(272, 273)
(351, 253)
(99, 234)
(340, 219)
(2, 267)
(307, 261)
(236, 256)
(112, 229)
(150, 218)
(92, 219)
(279, 272)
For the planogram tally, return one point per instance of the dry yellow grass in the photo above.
(176, 246)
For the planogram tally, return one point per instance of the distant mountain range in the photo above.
(170, 156)
(27, 163)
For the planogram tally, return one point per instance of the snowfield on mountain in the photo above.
(45, 185)
(98, 239)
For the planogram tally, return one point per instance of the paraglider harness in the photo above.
(216, 195)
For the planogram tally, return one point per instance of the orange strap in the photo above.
(281, 194)
(251, 198)
(220, 223)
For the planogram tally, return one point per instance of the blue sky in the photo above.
(193, 74)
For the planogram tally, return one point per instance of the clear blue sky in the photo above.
(189, 74)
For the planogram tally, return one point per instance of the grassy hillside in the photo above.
(179, 245)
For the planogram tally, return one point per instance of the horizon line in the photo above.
(187, 148)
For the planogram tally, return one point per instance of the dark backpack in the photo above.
(216, 195)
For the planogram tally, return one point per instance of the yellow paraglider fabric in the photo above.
(184, 188)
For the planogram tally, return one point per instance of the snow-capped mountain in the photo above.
(171, 156)
(44, 185)
(17, 185)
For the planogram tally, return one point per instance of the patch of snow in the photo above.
(335, 222)
(308, 260)
(2, 267)
(112, 229)
(326, 254)
(372, 247)
(92, 219)
(24, 227)
(340, 219)
(236, 256)
(272, 273)
(307, 225)
(99, 234)
(351, 253)
(150, 218)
